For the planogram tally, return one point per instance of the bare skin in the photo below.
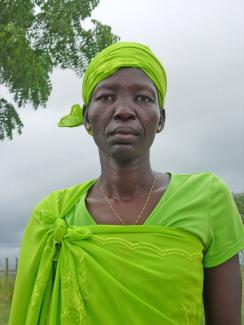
(127, 102)
(222, 293)
(128, 208)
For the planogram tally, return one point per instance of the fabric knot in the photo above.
(79, 233)
(60, 230)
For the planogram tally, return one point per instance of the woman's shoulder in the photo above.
(198, 178)
(59, 202)
(199, 184)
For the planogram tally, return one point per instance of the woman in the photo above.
(134, 246)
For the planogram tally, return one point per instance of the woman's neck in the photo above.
(124, 182)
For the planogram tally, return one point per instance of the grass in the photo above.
(6, 291)
(242, 311)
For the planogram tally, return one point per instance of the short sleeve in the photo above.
(226, 231)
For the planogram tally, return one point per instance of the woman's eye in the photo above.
(144, 99)
(106, 97)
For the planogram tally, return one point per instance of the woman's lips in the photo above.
(124, 130)
(124, 134)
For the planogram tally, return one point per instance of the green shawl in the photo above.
(104, 274)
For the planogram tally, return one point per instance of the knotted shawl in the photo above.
(107, 62)
(105, 274)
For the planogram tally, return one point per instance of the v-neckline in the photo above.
(161, 201)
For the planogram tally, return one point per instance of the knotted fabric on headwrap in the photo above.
(107, 62)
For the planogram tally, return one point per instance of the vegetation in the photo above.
(239, 200)
(37, 36)
(242, 311)
(6, 292)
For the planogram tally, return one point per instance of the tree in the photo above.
(37, 36)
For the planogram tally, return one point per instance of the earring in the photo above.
(88, 126)
(158, 129)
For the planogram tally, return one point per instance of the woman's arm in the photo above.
(222, 293)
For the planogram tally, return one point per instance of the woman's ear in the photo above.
(86, 119)
(161, 120)
(84, 112)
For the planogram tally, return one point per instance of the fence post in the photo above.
(6, 266)
(16, 265)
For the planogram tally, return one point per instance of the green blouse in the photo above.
(74, 271)
(200, 203)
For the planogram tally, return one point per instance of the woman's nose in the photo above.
(124, 112)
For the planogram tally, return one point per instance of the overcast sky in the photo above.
(201, 45)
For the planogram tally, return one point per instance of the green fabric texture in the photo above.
(200, 203)
(107, 62)
(74, 118)
(108, 274)
(119, 55)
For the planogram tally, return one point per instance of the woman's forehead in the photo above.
(130, 77)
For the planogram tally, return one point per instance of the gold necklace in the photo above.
(116, 213)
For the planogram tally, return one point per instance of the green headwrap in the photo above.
(107, 62)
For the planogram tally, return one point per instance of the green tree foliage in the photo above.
(239, 200)
(37, 36)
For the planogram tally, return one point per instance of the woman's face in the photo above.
(124, 114)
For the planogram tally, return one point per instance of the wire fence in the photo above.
(8, 266)
(241, 256)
